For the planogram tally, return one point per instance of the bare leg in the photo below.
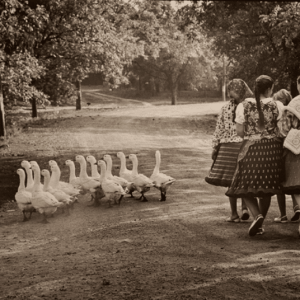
(264, 204)
(244, 206)
(281, 204)
(296, 205)
(253, 206)
(245, 213)
(234, 214)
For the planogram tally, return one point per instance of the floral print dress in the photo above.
(259, 170)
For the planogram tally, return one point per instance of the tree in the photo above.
(255, 36)
(17, 66)
(170, 54)
(80, 37)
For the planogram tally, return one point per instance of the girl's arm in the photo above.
(219, 131)
(240, 129)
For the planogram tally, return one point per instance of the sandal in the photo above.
(256, 224)
(260, 231)
(283, 219)
(296, 216)
(245, 216)
(235, 220)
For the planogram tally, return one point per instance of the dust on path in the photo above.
(180, 249)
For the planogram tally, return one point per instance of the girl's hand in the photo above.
(214, 154)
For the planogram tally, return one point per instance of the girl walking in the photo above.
(289, 127)
(259, 168)
(226, 145)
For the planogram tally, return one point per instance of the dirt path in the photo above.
(180, 249)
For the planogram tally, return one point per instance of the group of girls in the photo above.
(256, 151)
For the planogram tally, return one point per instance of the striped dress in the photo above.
(227, 144)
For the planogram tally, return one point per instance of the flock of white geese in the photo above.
(46, 198)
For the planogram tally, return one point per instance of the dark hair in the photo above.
(298, 80)
(262, 83)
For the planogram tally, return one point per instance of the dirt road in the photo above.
(180, 249)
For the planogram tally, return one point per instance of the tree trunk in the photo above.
(79, 96)
(152, 86)
(224, 80)
(2, 117)
(174, 92)
(140, 83)
(33, 108)
(157, 87)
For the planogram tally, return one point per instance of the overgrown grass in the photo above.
(163, 98)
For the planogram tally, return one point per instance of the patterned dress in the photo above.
(291, 184)
(260, 169)
(227, 143)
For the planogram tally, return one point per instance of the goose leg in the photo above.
(30, 215)
(45, 221)
(67, 210)
(131, 196)
(144, 199)
(120, 199)
(163, 196)
(24, 217)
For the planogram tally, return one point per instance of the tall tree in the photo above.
(84, 36)
(253, 35)
(18, 27)
(170, 53)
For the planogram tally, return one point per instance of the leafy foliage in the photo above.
(258, 37)
(18, 30)
(171, 57)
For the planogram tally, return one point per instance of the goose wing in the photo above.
(161, 179)
(109, 186)
(142, 181)
(23, 197)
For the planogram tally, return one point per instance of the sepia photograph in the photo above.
(149, 150)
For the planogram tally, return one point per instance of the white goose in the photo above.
(141, 182)
(75, 181)
(56, 183)
(26, 165)
(122, 181)
(112, 190)
(92, 160)
(43, 202)
(124, 172)
(88, 184)
(24, 197)
(161, 181)
(58, 194)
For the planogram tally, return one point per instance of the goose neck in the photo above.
(46, 182)
(123, 164)
(83, 172)
(134, 166)
(54, 179)
(103, 172)
(22, 182)
(157, 164)
(72, 172)
(108, 168)
(29, 176)
(37, 180)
